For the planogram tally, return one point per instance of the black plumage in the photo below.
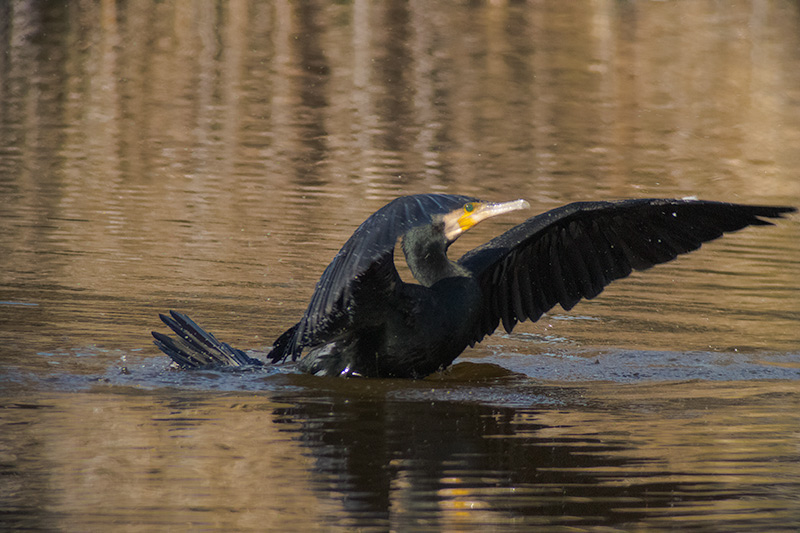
(364, 320)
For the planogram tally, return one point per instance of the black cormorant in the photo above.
(364, 320)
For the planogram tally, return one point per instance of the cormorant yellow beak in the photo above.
(458, 221)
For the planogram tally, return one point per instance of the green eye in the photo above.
(468, 208)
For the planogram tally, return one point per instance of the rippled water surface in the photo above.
(212, 157)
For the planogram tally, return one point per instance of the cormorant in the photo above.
(363, 320)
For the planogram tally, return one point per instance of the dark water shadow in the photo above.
(421, 454)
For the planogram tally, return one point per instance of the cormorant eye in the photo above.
(468, 208)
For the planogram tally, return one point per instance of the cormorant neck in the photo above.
(425, 248)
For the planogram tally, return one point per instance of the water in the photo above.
(213, 157)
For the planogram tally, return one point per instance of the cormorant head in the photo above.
(460, 220)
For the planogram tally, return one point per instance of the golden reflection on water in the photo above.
(213, 156)
(152, 461)
(187, 460)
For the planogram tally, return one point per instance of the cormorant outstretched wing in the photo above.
(365, 261)
(574, 251)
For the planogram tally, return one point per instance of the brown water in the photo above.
(212, 157)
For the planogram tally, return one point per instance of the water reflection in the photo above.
(589, 457)
(367, 455)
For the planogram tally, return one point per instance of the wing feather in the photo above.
(364, 265)
(575, 251)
